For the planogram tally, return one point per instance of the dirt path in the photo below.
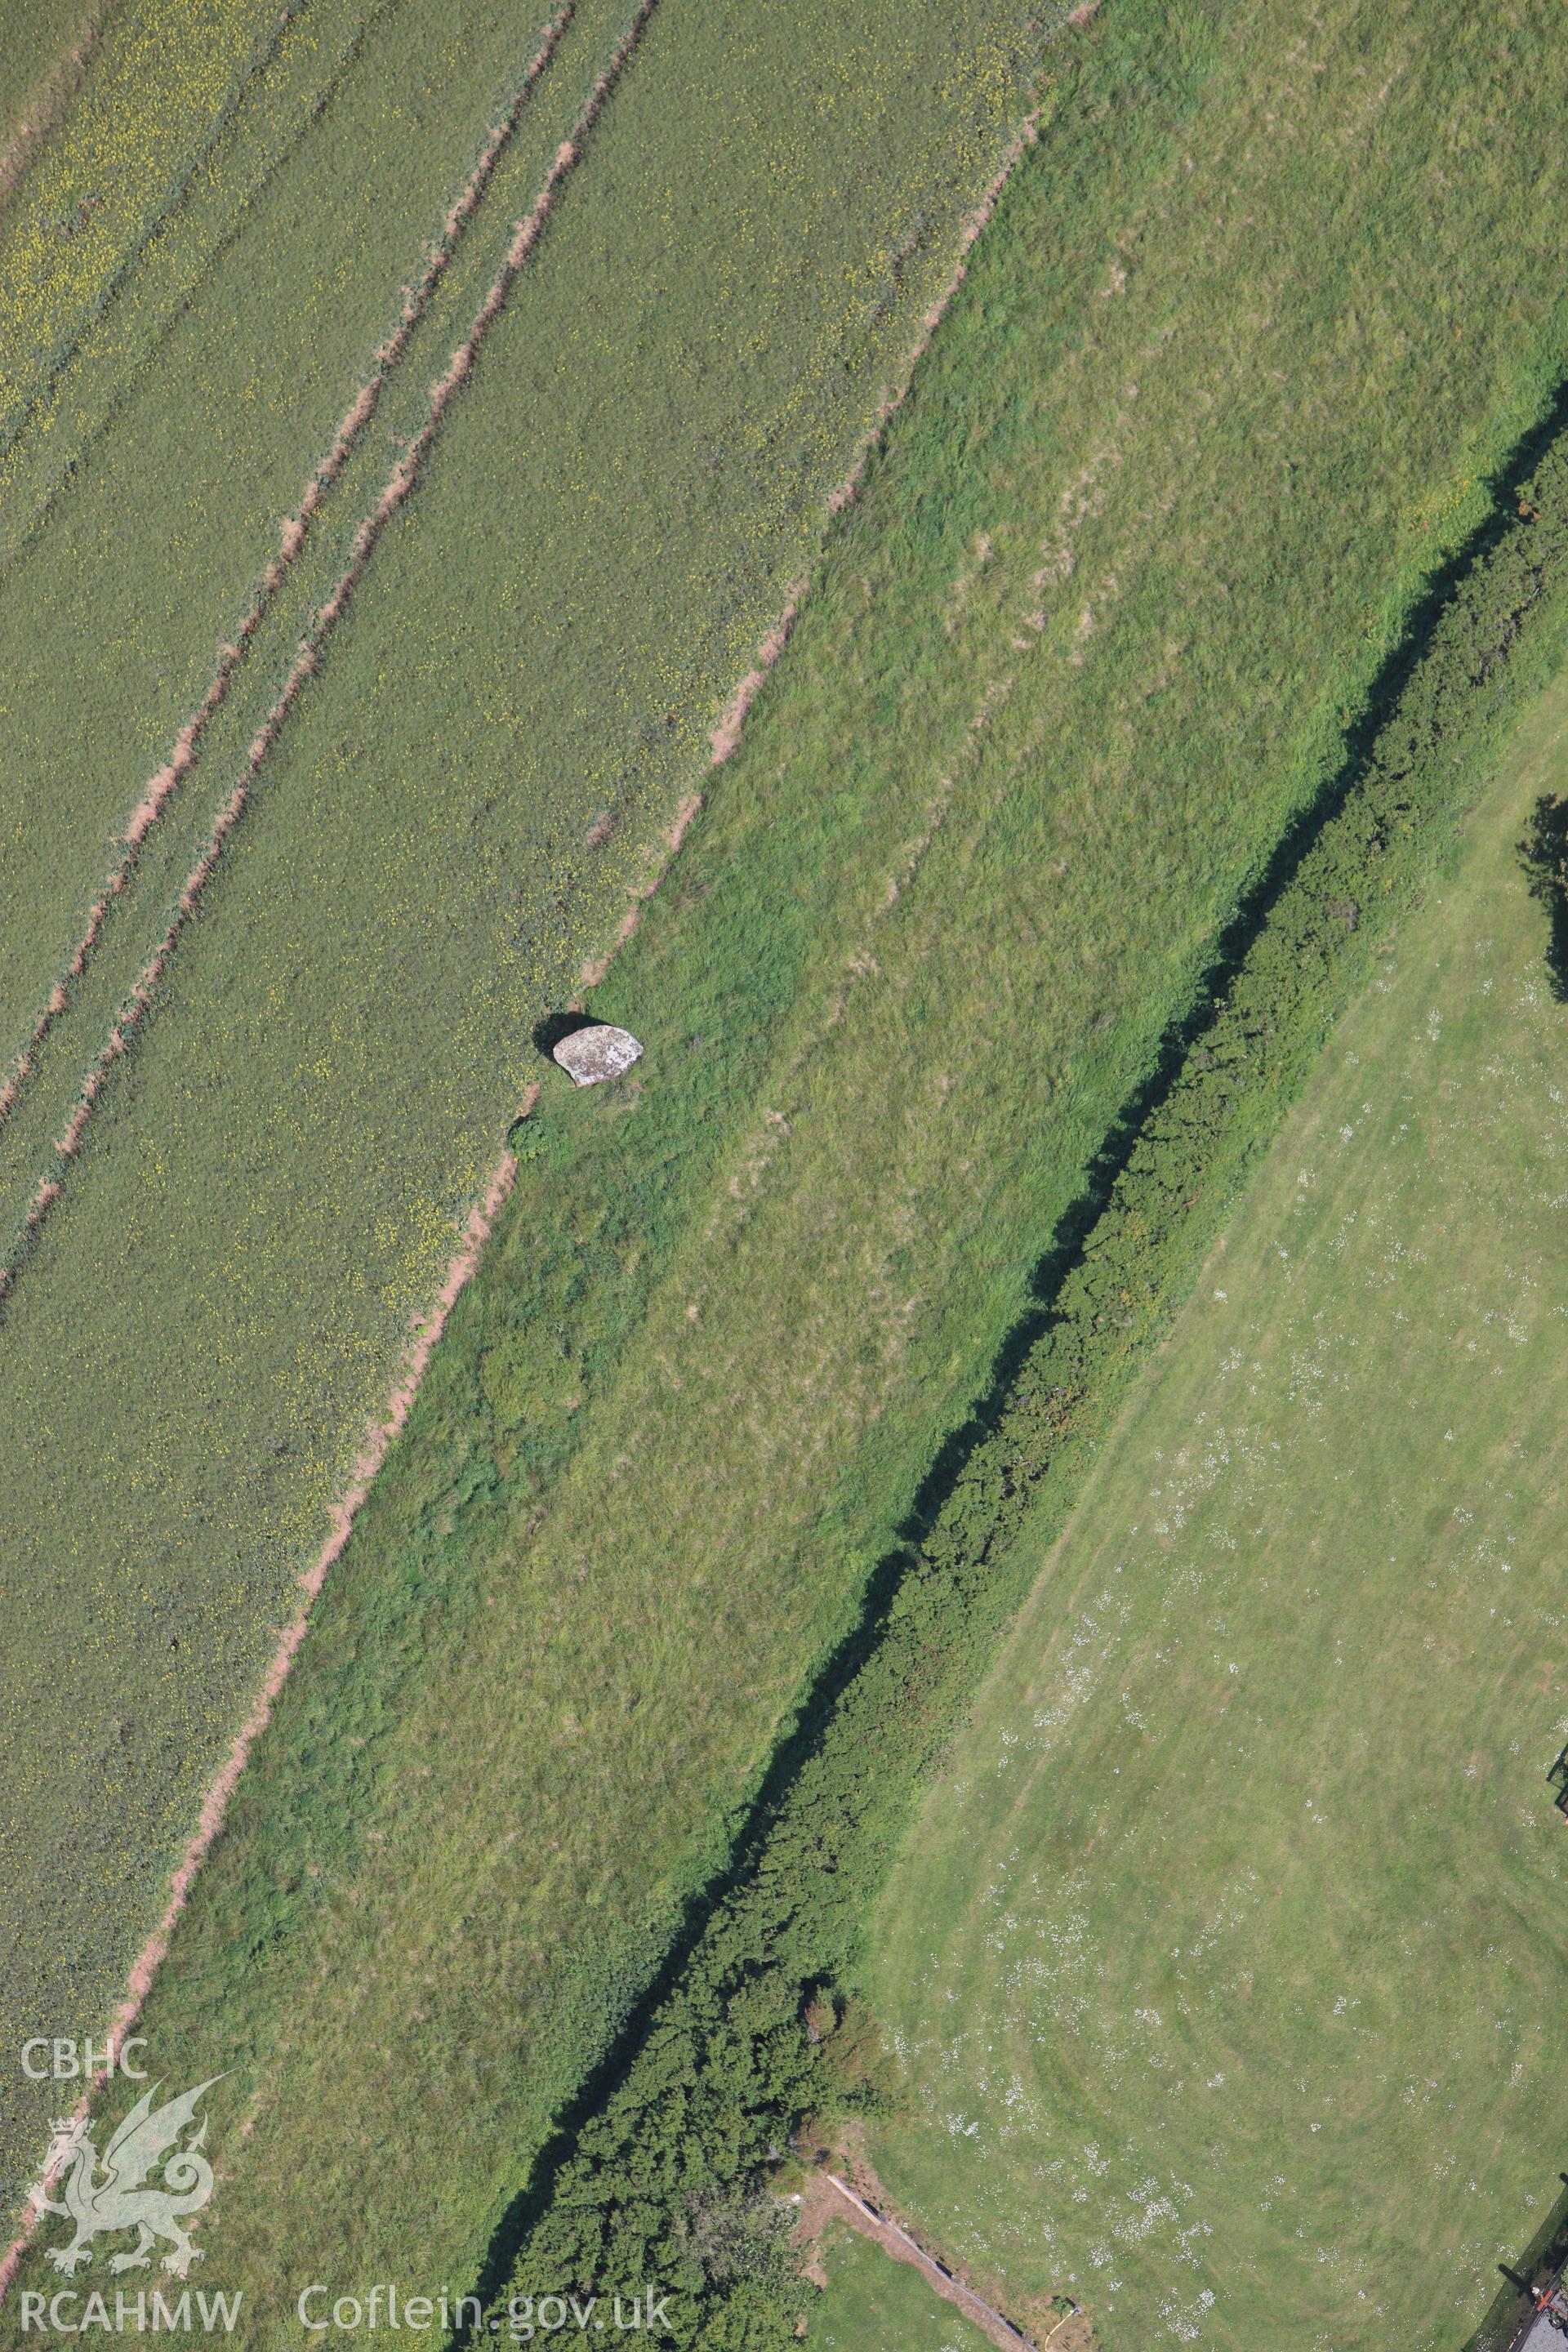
(873, 2219)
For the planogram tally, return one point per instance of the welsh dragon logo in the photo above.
(108, 2193)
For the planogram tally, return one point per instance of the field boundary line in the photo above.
(882, 2227)
(293, 533)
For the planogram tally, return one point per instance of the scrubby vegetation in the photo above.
(1543, 853)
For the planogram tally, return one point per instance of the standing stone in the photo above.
(591, 1055)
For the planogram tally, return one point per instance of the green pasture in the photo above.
(1168, 486)
(534, 649)
(872, 2304)
(1225, 1959)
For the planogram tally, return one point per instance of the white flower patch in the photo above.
(1184, 2321)
(1154, 2208)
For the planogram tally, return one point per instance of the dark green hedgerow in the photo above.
(668, 2168)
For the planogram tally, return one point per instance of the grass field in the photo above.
(164, 72)
(830, 1015)
(279, 1179)
(138, 521)
(1225, 1958)
(37, 38)
(872, 2304)
(1064, 676)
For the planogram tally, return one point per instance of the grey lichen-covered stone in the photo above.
(591, 1055)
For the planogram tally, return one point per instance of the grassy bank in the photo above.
(914, 957)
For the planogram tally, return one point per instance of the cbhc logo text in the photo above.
(65, 2060)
